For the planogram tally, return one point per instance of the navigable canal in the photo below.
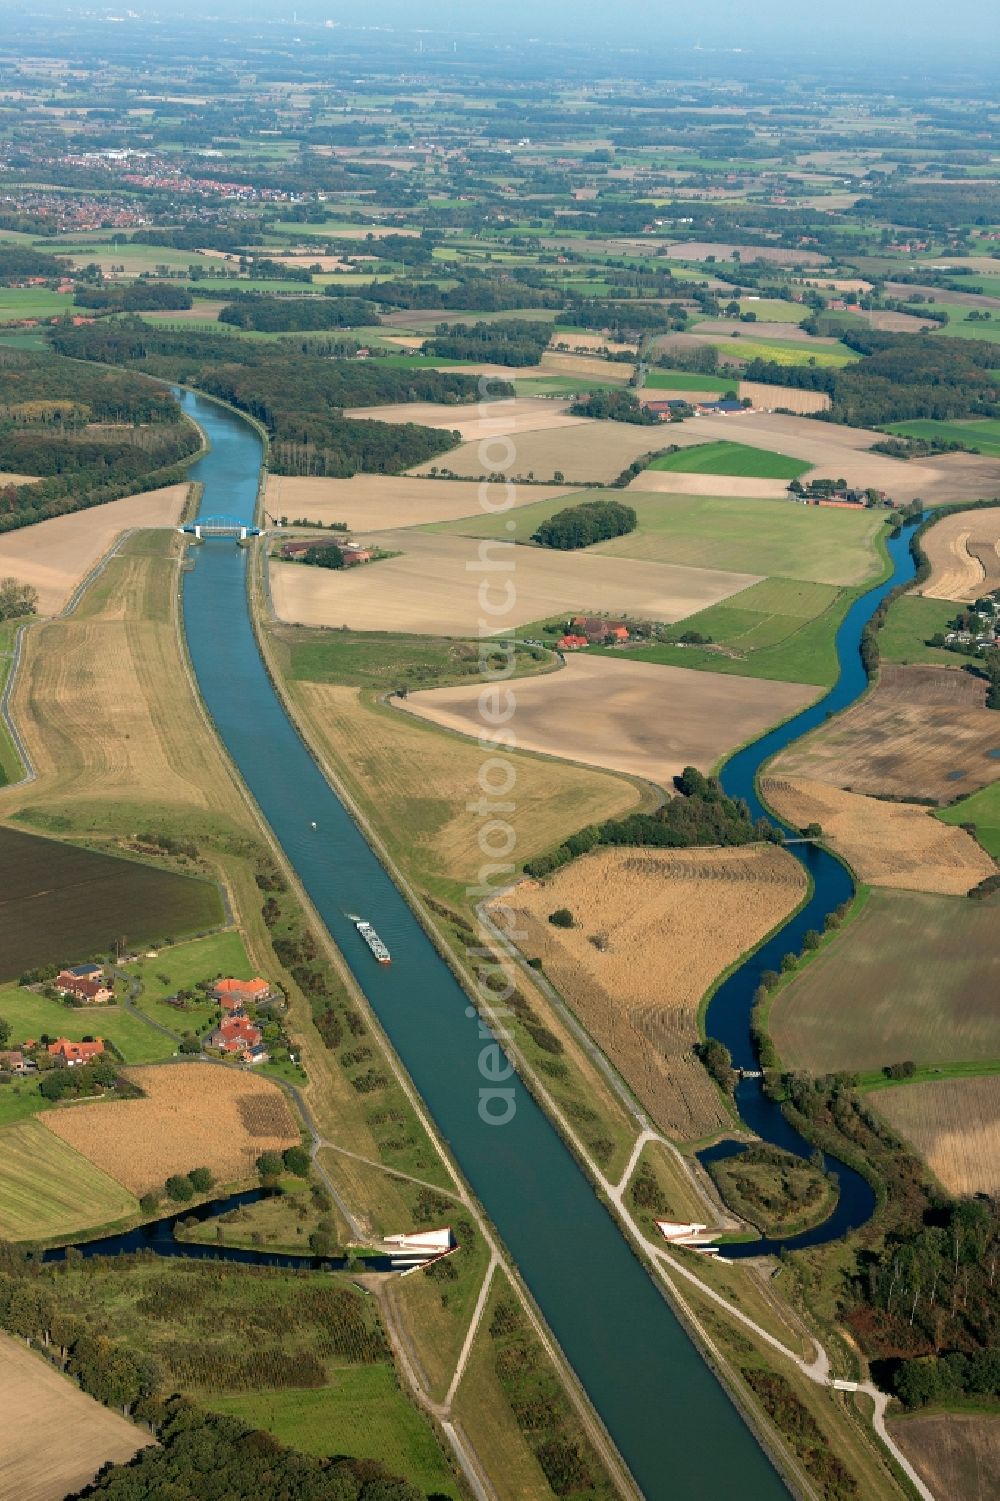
(672, 1421)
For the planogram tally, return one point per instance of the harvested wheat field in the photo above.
(653, 930)
(910, 977)
(957, 1454)
(843, 452)
(447, 585)
(637, 717)
(381, 502)
(193, 1115)
(922, 732)
(479, 422)
(55, 1437)
(766, 398)
(954, 1124)
(587, 365)
(589, 451)
(964, 553)
(55, 555)
(118, 657)
(700, 250)
(886, 844)
(7, 477)
(563, 341)
(416, 783)
(737, 487)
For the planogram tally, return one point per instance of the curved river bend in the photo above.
(672, 1421)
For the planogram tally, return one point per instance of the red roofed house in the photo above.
(572, 643)
(595, 629)
(70, 1053)
(241, 990)
(237, 1035)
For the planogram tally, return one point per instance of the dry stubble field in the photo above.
(55, 555)
(104, 704)
(954, 1124)
(589, 451)
(666, 924)
(964, 553)
(911, 977)
(55, 1437)
(434, 586)
(479, 422)
(637, 717)
(415, 782)
(767, 398)
(922, 732)
(842, 452)
(956, 1453)
(886, 844)
(193, 1115)
(381, 502)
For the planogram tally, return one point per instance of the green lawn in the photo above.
(180, 968)
(561, 385)
(911, 622)
(31, 302)
(781, 629)
(363, 1413)
(731, 459)
(769, 537)
(680, 380)
(980, 432)
(31, 1016)
(982, 809)
(19, 1099)
(773, 309)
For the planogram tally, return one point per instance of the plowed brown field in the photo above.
(922, 732)
(192, 1115)
(956, 1453)
(55, 1437)
(654, 929)
(381, 502)
(887, 844)
(55, 555)
(636, 717)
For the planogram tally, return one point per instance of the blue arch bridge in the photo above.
(220, 526)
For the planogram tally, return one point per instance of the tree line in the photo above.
(581, 525)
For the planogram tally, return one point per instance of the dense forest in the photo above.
(518, 341)
(91, 437)
(20, 261)
(701, 815)
(899, 376)
(204, 1456)
(294, 314)
(298, 397)
(581, 525)
(134, 297)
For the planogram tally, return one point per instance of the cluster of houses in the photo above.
(976, 627)
(63, 1052)
(353, 552)
(718, 406)
(237, 1035)
(592, 630)
(827, 492)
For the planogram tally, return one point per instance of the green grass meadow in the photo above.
(33, 1016)
(731, 459)
(363, 1412)
(982, 809)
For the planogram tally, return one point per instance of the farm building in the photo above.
(14, 1062)
(92, 992)
(595, 629)
(240, 990)
(572, 643)
(71, 1053)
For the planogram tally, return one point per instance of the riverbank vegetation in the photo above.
(777, 1192)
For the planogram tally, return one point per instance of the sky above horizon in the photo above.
(858, 26)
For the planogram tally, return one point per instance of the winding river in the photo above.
(671, 1419)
